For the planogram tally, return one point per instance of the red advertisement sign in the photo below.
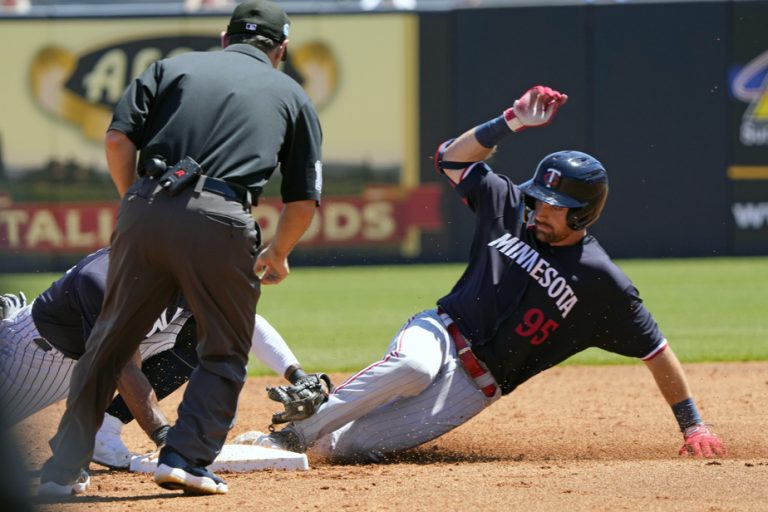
(381, 216)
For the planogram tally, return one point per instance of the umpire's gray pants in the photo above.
(205, 245)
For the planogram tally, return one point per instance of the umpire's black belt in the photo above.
(228, 190)
(472, 365)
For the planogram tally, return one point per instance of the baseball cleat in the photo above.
(175, 473)
(79, 486)
(280, 440)
(109, 449)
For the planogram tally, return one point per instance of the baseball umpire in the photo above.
(537, 289)
(211, 128)
(40, 343)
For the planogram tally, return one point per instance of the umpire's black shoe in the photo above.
(176, 473)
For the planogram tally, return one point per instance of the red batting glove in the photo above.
(699, 441)
(535, 108)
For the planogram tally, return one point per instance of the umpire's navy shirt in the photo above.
(191, 117)
(526, 305)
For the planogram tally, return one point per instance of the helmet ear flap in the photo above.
(580, 218)
(577, 218)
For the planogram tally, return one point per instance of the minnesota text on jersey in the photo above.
(539, 269)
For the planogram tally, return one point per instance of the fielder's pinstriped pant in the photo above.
(416, 393)
(34, 375)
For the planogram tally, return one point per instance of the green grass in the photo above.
(709, 309)
(342, 318)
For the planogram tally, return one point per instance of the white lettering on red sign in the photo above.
(37, 227)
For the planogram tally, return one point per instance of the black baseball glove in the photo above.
(302, 399)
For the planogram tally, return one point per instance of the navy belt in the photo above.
(472, 365)
(231, 191)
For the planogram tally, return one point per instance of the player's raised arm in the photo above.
(535, 108)
(698, 440)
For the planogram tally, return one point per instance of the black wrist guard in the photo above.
(159, 435)
(296, 374)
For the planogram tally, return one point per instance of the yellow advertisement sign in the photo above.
(60, 85)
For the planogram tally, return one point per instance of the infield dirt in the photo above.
(571, 439)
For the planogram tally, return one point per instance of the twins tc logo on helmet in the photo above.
(552, 178)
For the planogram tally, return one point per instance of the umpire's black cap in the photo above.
(260, 18)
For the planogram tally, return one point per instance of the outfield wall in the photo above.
(651, 95)
(673, 98)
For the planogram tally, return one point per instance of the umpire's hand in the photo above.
(270, 267)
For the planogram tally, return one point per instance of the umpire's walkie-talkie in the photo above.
(180, 176)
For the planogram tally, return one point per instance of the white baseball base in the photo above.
(236, 458)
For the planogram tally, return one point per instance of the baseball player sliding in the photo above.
(537, 289)
(40, 343)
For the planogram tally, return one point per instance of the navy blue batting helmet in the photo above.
(573, 180)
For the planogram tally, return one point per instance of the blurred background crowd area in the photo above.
(391, 81)
(76, 7)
